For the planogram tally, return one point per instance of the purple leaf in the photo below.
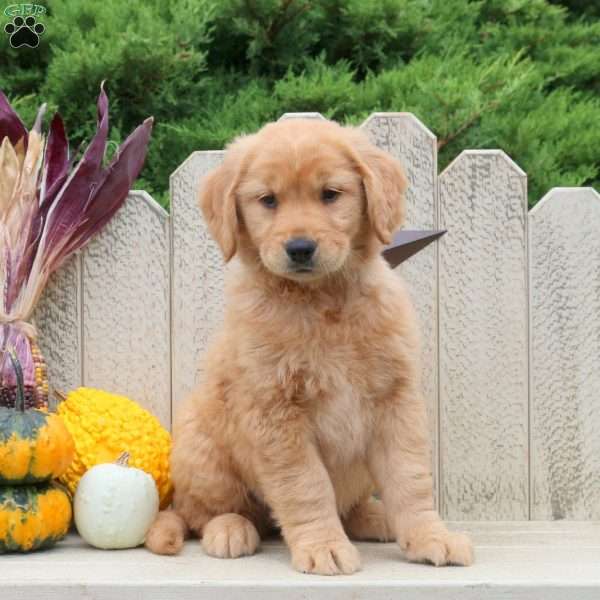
(56, 160)
(112, 190)
(65, 212)
(10, 123)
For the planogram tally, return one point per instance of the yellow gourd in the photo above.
(105, 425)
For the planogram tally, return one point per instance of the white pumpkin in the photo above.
(115, 505)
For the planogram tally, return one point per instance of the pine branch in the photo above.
(253, 12)
(466, 125)
(283, 18)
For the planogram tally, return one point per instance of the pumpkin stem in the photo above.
(123, 460)
(20, 399)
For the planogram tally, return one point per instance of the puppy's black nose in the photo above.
(300, 250)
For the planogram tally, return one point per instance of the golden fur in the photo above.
(311, 397)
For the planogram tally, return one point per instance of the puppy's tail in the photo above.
(167, 534)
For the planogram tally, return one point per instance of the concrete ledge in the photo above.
(516, 561)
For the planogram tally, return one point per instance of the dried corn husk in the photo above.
(48, 210)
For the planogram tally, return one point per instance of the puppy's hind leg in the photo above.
(167, 534)
(210, 496)
(367, 521)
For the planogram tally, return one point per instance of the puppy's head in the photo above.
(303, 196)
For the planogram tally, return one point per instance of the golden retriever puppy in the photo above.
(311, 398)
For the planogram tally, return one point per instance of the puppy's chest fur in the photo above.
(342, 425)
(333, 364)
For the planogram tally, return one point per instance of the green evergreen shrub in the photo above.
(521, 75)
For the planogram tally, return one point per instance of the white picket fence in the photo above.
(509, 302)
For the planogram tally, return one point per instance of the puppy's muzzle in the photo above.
(301, 252)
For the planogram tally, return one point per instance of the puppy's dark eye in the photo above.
(269, 201)
(329, 195)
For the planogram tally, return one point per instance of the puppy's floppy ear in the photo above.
(217, 201)
(385, 184)
(216, 197)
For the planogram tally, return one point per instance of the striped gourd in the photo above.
(33, 516)
(35, 445)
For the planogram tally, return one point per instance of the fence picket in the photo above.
(406, 138)
(197, 272)
(58, 318)
(301, 115)
(483, 339)
(125, 273)
(565, 354)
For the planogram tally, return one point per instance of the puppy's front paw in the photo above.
(433, 543)
(230, 536)
(326, 558)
